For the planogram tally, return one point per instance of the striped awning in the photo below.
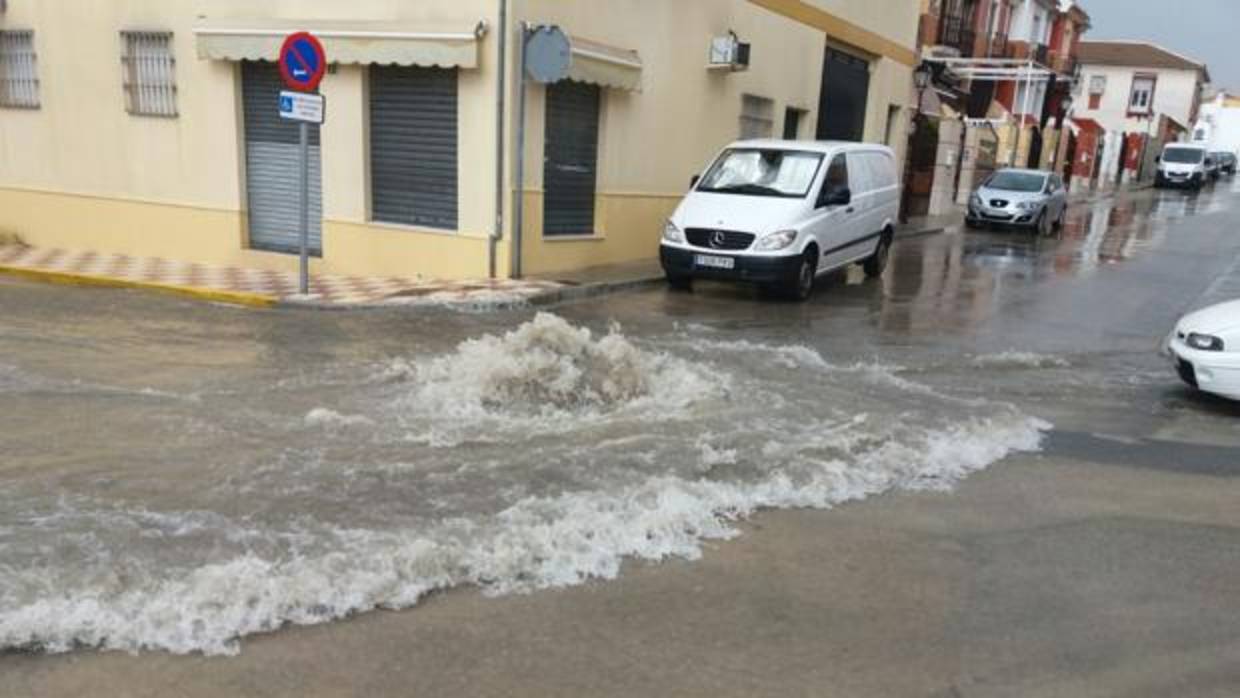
(346, 42)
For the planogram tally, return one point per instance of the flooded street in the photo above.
(179, 477)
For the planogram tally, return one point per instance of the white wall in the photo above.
(1222, 123)
(1173, 95)
(1023, 23)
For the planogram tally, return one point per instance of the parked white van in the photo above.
(1183, 165)
(782, 213)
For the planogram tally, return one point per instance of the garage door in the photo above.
(272, 164)
(845, 92)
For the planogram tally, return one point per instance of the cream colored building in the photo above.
(147, 127)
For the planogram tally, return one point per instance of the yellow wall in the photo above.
(653, 141)
(82, 173)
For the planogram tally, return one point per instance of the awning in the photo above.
(346, 42)
(608, 66)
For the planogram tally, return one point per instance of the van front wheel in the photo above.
(801, 287)
(877, 263)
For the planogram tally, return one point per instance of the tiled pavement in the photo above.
(263, 286)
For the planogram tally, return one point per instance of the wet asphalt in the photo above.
(1103, 565)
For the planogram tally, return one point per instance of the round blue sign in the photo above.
(302, 62)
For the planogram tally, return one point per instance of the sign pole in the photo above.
(303, 192)
(303, 62)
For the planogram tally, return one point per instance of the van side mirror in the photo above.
(693, 181)
(840, 196)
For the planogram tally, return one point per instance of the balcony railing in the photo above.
(954, 31)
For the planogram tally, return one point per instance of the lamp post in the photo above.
(921, 80)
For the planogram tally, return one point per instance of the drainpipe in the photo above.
(500, 100)
(518, 184)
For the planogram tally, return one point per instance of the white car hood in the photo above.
(1216, 319)
(748, 214)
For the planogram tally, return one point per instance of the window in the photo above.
(149, 73)
(837, 175)
(757, 117)
(413, 146)
(19, 80)
(1141, 101)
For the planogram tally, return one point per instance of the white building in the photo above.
(1218, 126)
(1126, 85)
(1030, 35)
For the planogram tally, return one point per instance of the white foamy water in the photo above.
(1019, 360)
(532, 459)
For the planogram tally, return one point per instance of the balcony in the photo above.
(955, 32)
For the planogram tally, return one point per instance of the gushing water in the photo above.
(527, 460)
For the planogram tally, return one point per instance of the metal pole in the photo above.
(518, 184)
(303, 198)
(501, 87)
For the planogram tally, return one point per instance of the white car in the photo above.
(782, 213)
(1205, 349)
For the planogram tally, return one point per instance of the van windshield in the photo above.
(1184, 156)
(1017, 181)
(763, 172)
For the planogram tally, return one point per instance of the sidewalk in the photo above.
(265, 289)
(256, 287)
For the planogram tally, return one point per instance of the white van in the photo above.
(1183, 165)
(782, 213)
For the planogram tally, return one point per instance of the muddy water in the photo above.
(174, 488)
(177, 477)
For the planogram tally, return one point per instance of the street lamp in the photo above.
(921, 80)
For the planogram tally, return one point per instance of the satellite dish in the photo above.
(548, 54)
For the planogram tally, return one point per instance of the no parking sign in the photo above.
(302, 62)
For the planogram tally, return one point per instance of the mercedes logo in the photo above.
(718, 240)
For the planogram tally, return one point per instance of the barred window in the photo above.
(19, 77)
(150, 73)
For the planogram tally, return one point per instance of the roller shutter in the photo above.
(571, 163)
(272, 160)
(413, 146)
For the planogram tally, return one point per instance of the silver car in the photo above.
(1030, 199)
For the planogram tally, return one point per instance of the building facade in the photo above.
(149, 127)
(1218, 123)
(1138, 96)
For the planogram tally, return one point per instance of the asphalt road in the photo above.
(1103, 565)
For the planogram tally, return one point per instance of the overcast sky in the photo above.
(1204, 30)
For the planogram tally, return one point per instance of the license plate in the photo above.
(704, 260)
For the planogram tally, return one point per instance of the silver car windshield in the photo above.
(1017, 181)
(1184, 156)
(763, 172)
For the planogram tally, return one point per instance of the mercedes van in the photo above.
(780, 214)
(1183, 165)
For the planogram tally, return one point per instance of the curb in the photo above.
(64, 278)
(584, 291)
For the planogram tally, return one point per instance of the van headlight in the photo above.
(1204, 342)
(777, 241)
(671, 233)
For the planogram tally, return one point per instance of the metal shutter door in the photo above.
(569, 174)
(845, 93)
(413, 140)
(272, 162)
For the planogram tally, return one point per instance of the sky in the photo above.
(1204, 30)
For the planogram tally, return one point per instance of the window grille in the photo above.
(19, 77)
(150, 73)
